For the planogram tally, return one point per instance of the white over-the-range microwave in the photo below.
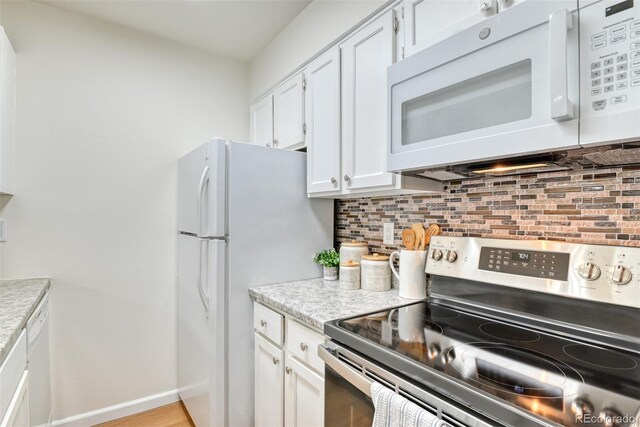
(524, 90)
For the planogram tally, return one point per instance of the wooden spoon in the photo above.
(432, 230)
(419, 230)
(408, 238)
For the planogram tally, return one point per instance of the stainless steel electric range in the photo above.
(515, 333)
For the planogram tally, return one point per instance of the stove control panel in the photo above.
(593, 272)
(540, 264)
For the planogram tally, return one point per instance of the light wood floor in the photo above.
(173, 415)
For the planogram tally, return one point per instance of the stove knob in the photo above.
(436, 254)
(580, 407)
(433, 351)
(451, 257)
(610, 417)
(589, 271)
(621, 275)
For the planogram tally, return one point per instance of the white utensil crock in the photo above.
(412, 278)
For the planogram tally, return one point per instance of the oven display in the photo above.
(520, 256)
(540, 264)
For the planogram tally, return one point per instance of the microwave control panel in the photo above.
(610, 47)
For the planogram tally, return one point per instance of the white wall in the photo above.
(320, 23)
(103, 113)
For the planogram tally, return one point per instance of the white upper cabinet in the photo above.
(288, 117)
(7, 112)
(429, 21)
(365, 57)
(261, 114)
(322, 111)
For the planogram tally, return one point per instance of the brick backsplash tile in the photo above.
(587, 206)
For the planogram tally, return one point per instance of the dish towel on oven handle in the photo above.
(393, 410)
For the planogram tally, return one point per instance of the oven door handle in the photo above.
(359, 381)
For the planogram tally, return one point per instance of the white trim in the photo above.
(120, 410)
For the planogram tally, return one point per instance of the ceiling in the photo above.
(237, 29)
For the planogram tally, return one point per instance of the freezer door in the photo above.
(201, 190)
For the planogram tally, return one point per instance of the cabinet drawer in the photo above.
(303, 343)
(11, 371)
(268, 323)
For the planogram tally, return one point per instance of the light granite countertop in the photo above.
(317, 301)
(18, 299)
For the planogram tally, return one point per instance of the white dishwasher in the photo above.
(38, 365)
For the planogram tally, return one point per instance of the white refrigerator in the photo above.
(244, 220)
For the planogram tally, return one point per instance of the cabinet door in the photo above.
(304, 396)
(322, 112)
(364, 59)
(429, 21)
(288, 108)
(17, 414)
(262, 121)
(269, 384)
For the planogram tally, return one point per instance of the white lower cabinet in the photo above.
(303, 395)
(14, 386)
(269, 383)
(18, 411)
(289, 381)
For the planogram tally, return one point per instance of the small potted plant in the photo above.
(330, 260)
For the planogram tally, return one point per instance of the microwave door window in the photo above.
(500, 96)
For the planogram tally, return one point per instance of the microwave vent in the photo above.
(615, 157)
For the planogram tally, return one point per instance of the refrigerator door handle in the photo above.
(204, 178)
(204, 298)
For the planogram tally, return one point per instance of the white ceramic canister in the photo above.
(353, 251)
(375, 274)
(350, 275)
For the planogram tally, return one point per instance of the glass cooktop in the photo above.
(542, 373)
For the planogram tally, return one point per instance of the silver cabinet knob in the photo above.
(303, 346)
(610, 417)
(263, 323)
(333, 181)
(580, 407)
(275, 361)
(485, 7)
(347, 178)
(268, 145)
(621, 275)
(589, 271)
(287, 370)
(275, 142)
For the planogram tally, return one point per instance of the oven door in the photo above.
(505, 87)
(347, 392)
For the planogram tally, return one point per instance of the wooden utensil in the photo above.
(432, 230)
(408, 238)
(419, 230)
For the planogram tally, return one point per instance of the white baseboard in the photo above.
(120, 410)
